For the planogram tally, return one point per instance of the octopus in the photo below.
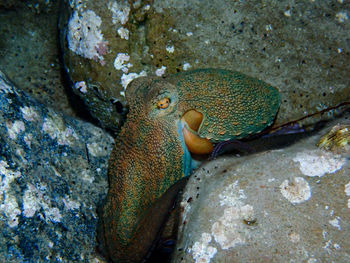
(171, 120)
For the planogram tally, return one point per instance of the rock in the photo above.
(29, 55)
(53, 176)
(301, 48)
(282, 205)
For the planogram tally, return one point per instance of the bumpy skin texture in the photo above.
(234, 105)
(150, 155)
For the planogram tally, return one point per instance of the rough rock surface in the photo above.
(284, 205)
(29, 55)
(300, 47)
(52, 177)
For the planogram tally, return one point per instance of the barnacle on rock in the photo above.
(337, 139)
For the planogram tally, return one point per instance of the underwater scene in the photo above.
(171, 131)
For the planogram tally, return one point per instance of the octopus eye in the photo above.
(163, 103)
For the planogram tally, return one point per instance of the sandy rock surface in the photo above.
(299, 47)
(282, 205)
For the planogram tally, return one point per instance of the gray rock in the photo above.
(299, 47)
(283, 205)
(53, 176)
(29, 55)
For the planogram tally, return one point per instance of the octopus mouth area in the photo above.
(195, 143)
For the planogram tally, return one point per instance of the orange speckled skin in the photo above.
(150, 155)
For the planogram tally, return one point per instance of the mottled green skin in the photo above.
(150, 155)
(234, 105)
